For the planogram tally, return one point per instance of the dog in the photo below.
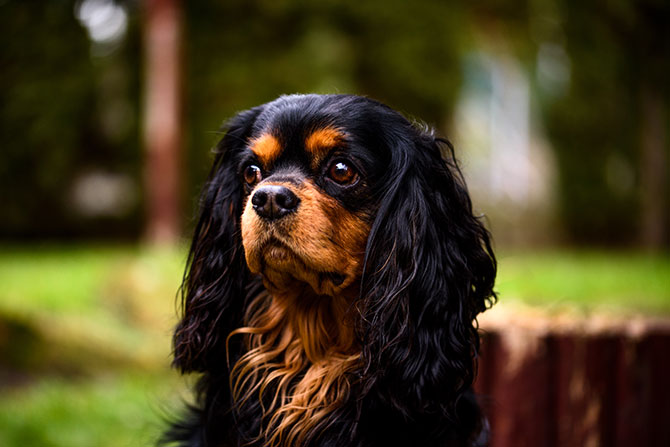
(333, 283)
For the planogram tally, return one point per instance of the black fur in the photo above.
(429, 270)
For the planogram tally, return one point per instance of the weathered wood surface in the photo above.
(560, 382)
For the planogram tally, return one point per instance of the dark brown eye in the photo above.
(252, 175)
(340, 172)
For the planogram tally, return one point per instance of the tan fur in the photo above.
(320, 142)
(320, 237)
(267, 148)
(287, 336)
(300, 340)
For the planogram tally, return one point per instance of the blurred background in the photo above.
(560, 114)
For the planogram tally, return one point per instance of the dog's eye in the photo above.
(252, 175)
(342, 173)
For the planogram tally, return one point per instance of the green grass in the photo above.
(109, 411)
(588, 281)
(85, 330)
(87, 339)
(111, 304)
(64, 280)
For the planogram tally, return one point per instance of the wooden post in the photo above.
(162, 124)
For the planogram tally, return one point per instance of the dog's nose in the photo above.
(273, 201)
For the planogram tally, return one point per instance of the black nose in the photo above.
(273, 201)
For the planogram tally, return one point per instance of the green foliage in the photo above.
(64, 112)
(68, 110)
(38, 144)
(617, 51)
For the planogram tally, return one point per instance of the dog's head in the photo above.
(309, 180)
(345, 198)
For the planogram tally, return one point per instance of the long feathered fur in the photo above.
(403, 359)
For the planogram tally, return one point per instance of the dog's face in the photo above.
(309, 180)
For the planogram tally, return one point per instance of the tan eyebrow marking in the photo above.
(266, 147)
(321, 141)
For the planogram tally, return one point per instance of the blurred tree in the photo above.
(162, 119)
(70, 105)
(38, 74)
(242, 53)
(65, 112)
(608, 128)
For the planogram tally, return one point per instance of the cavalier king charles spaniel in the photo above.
(332, 285)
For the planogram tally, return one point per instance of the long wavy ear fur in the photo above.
(430, 270)
(216, 281)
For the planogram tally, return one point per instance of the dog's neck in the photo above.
(300, 351)
(322, 323)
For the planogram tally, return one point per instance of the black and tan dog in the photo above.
(333, 283)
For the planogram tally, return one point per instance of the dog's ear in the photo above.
(216, 280)
(429, 271)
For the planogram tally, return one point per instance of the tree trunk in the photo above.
(162, 124)
(653, 171)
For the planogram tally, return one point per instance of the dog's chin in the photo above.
(278, 256)
(284, 271)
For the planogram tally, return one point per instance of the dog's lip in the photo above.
(273, 242)
(278, 251)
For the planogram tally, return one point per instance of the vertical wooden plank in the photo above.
(568, 389)
(586, 387)
(657, 350)
(630, 395)
(162, 124)
(482, 383)
(520, 389)
(601, 382)
(485, 373)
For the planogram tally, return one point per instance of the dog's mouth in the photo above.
(278, 256)
(276, 252)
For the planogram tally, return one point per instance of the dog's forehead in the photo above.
(312, 146)
(307, 130)
(308, 134)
